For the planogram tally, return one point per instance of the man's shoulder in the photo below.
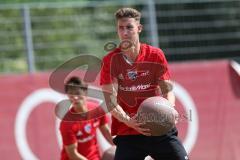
(151, 50)
(67, 125)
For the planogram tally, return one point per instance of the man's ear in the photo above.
(140, 28)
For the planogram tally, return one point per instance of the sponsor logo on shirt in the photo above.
(79, 133)
(120, 76)
(135, 88)
(95, 124)
(88, 128)
(133, 75)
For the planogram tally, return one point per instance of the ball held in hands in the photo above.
(158, 114)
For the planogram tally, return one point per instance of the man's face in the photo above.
(77, 95)
(128, 29)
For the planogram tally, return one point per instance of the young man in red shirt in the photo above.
(79, 137)
(139, 71)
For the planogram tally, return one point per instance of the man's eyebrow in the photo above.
(129, 25)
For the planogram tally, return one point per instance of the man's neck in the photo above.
(81, 107)
(133, 52)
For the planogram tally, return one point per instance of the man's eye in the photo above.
(129, 27)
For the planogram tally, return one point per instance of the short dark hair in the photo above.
(128, 13)
(74, 83)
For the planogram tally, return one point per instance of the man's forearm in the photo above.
(106, 133)
(78, 157)
(170, 97)
(112, 105)
(166, 88)
(73, 153)
(120, 114)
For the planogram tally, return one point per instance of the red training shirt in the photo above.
(136, 80)
(82, 132)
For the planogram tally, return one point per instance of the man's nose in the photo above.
(125, 32)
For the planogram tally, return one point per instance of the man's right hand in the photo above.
(138, 126)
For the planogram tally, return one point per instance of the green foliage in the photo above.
(68, 33)
(58, 34)
(32, 1)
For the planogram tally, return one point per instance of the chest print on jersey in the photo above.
(79, 133)
(134, 74)
(120, 76)
(96, 124)
(88, 128)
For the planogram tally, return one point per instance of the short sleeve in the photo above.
(162, 71)
(105, 75)
(67, 133)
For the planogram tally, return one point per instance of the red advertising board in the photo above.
(208, 100)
